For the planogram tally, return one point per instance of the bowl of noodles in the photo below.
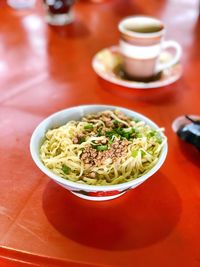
(98, 152)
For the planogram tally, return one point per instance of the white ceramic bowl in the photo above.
(85, 191)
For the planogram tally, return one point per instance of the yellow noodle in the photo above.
(142, 153)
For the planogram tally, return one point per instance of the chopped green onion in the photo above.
(99, 132)
(81, 140)
(88, 127)
(136, 120)
(134, 153)
(151, 134)
(159, 140)
(116, 122)
(126, 135)
(123, 132)
(139, 135)
(65, 169)
(102, 148)
(110, 134)
(150, 151)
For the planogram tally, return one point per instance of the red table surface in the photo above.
(44, 69)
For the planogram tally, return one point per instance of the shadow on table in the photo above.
(74, 30)
(139, 218)
(190, 152)
(128, 9)
(138, 7)
(193, 54)
(158, 96)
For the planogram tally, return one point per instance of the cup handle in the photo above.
(176, 46)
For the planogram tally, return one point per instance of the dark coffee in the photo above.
(145, 28)
(59, 6)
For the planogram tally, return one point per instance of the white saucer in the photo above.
(106, 61)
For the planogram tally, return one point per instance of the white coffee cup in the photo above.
(141, 44)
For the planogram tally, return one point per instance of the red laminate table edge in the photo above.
(11, 257)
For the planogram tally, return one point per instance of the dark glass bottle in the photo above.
(191, 133)
(59, 6)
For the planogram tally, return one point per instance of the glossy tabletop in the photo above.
(44, 69)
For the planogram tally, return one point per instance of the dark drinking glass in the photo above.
(59, 11)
